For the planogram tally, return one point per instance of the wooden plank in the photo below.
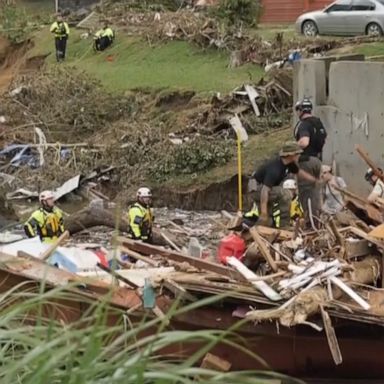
(215, 363)
(178, 290)
(262, 286)
(117, 276)
(53, 246)
(363, 235)
(137, 256)
(148, 249)
(331, 337)
(339, 239)
(364, 155)
(377, 232)
(263, 248)
(271, 234)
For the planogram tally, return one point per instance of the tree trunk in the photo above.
(96, 215)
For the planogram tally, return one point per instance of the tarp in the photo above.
(70, 258)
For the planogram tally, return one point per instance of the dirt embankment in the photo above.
(14, 60)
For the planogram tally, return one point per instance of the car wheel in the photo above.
(374, 29)
(310, 28)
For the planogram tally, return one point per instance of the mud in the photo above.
(214, 197)
(14, 61)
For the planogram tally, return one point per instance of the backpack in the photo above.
(319, 133)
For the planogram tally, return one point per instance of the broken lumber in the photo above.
(308, 302)
(215, 363)
(149, 249)
(361, 207)
(64, 236)
(263, 248)
(271, 234)
(262, 286)
(178, 290)
(137, 256)
(331, 337)
(117, 276)
(364, 155)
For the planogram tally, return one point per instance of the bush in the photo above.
(240, 11)
(197, 155)
(13, 22)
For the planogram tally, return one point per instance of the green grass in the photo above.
(269, 31)
(370, 49)
(90, 350)
(136, 64)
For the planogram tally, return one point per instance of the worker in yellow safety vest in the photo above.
(140, 216)
(296, 210)
(60, 30)
(47, 221)
(104, 37)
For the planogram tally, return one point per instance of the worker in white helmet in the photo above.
(140, 216)
(47, 221)
(296, 210)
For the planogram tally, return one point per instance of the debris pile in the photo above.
(86, 129)
(293, 277)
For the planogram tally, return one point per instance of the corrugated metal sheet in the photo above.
(286, 11)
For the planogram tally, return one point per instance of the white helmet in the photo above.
(290, 184)
(144, 192)
(46, 195)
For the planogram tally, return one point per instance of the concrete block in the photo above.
(331, 59)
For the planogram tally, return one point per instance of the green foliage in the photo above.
(101, 345)
(197, 155)
(240, 11)
(14, 23)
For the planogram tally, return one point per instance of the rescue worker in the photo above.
(104, 37)
(47, 221)
(140, 216)
(296, 210)
(310, 135)
(377, 183)
(333, 201)
(61, 31)
(268, 178)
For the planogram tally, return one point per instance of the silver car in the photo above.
(344, 17)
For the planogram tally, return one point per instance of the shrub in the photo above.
(13, 22)
(197, 155)
(240, 11)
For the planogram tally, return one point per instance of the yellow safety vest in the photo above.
(60, 29)
(296, 210)
(45, 224)
(140, 222)
(253, 213)
(107, 32)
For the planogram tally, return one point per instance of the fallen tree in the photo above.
(95, 215)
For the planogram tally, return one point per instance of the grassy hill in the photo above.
(132, 63)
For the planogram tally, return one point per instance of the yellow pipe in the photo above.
(239, 168)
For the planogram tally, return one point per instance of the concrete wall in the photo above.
(353, 114)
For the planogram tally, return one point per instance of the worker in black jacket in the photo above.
(310, 135)
(60, 30)
(269, 178)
